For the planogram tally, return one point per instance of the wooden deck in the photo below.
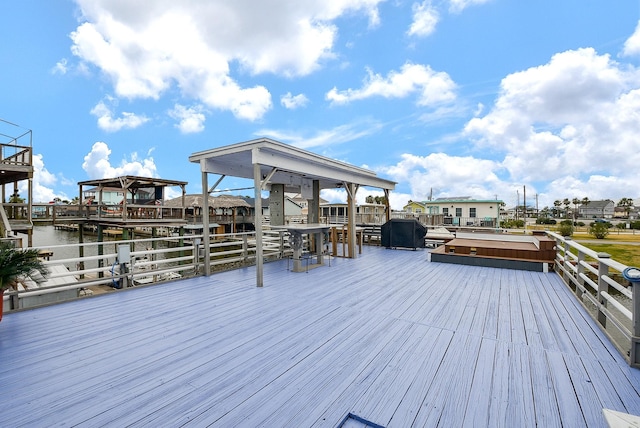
(388, 338)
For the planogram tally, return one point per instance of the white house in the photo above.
(597, 209)
(462, 210)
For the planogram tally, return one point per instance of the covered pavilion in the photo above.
(280, 168)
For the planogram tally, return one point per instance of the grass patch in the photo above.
(612, 244)
(626, 254)
(612, 236)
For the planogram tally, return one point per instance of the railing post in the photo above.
(603, 269)
(566, 263)
(632, 274)
(281, 239)
(635, 334)
(245, 248)
(580, 271)
(196, 255)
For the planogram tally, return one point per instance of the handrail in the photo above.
(598, 284)
(152, 260)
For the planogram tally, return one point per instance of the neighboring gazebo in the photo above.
(281, 168)
(194, 203)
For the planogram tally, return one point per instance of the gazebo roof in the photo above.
(291, 166)
(268, 163)
(221, 201)
(131, 181)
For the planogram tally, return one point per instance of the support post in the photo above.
(632, 274)
(566, 264)
(635, 334)
(206, 239)
(100, 249)
(351, 222)
(603, 269)
(580, 271)
(257, 179)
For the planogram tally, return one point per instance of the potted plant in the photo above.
(16, 265)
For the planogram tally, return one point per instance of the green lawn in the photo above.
(613, 244)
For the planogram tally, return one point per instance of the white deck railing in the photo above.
(150, 260)
(598, 284)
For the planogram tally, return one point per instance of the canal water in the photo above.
(64, 244)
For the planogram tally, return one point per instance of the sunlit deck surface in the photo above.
(388, 337)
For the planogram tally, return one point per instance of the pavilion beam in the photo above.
(351, 189)
(206, 239)
(257, 179)
(387, 204)
(217, 182)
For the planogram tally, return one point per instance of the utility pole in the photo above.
(524, 188)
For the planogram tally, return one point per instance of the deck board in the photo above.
(390, 337)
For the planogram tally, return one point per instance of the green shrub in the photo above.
(511, 224)
(599, 230)
(565, 228)
(545, 220)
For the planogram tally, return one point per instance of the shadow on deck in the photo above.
(389, 337)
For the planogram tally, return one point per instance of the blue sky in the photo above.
(480, 98)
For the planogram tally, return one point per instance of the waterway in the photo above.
(65, 244)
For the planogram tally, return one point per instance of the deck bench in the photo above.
(372, 234)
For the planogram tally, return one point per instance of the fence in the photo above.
(599, 285)
(112, 264)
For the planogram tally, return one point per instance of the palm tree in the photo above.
(556, 207)
(566, 202)
(17, 264)
(626, 204)
(575, 201)
(585, 204)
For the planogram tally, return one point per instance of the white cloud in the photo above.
(146, 49)
(457, 6)
(60, 67)
(108, 123)
(573, 121)
(97, 164)
(431, 87)
(447, 175)
(293, 102)
(191, 119)
(43, 181)
(632, 45)
(325, 138)
(425, 19)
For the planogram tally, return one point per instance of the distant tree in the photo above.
(575, 202)
(16, 199)
(544, 212)
(621, 226)
(626, 204)
(369, 199)
(566, 202)
(380, 199)
(585, 201)
(556, 207)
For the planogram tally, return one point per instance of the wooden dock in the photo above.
(387, 338)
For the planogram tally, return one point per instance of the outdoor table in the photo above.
(295, 240)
